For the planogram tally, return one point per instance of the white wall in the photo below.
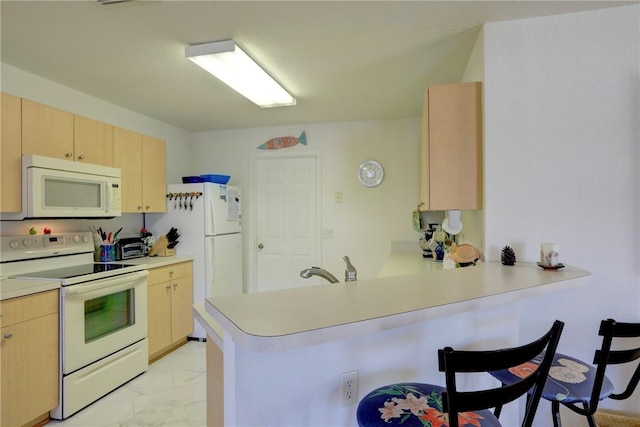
(562, 162)
(368, 219)
(22, 84)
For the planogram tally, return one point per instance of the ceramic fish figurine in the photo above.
(284, 142)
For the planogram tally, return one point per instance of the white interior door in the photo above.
(287, 221)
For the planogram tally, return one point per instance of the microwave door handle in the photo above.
(108, 196)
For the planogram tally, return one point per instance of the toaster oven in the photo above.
(130, 247)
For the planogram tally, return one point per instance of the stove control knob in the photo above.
(14, 244)
(76, 238)
(27, 242)
(85, 239)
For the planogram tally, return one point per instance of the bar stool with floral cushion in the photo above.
(417, 404)
(573, 382)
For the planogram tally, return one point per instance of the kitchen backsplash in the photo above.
(130, 223)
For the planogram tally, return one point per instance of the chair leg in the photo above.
(590, 420)
(497, 411)
(555, 412)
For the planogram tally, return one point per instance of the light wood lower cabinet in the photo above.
(29, 358)
(170, 318)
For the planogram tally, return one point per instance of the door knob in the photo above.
(260, 246)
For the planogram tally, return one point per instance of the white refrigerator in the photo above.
(208, 219)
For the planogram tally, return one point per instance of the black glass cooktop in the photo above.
(75, 271)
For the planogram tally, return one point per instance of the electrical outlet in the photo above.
(349, 387)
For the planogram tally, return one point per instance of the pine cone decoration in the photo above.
(508, 257)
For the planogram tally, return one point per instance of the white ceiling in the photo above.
(342, 60)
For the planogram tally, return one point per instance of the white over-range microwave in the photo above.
(56, 188)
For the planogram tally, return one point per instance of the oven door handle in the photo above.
(124, 281)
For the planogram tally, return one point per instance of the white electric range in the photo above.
(103, 313)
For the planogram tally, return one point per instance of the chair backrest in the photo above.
(610, 329)
(452, 361)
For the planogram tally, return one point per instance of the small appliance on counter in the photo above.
(426, 242)
(129, 248)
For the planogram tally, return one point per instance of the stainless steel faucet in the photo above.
(349, 274)
(317, 271)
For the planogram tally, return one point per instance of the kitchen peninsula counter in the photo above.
(294, 318)
(296, 345)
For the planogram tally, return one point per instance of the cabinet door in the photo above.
(451, 151)
(46, 131)
(93, 141)
(29, 358)
(159, 317)
(127, 155)
(181, 307)
(10, 154)
(154, 174)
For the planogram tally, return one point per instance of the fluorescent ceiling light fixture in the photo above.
(226, 61)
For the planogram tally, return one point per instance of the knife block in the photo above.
(159, 248)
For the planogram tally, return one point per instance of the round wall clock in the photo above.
(370, 173)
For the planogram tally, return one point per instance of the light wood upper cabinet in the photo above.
(46, 131)
(142, 160)
(29, 127)
(154, 174)
(92, 141)
(127, 156)
(451, 147)
(10, 154)
(29, 358)
(50, 132)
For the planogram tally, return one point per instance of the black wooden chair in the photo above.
(415, 404)
(573, 382)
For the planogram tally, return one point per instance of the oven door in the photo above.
(101, 317)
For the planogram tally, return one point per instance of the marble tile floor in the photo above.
(171, 393)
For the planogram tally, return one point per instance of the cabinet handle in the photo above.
(8, 336)
(171, 274)
(147, 207)
(139, 208)
(168, 288)
(69, 155)
(81, 157)
(175, 285)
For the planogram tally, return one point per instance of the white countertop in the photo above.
(157, 261)
(13, 288)
(400, 263)
(294, 318)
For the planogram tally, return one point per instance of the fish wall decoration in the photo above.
(284, 142)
